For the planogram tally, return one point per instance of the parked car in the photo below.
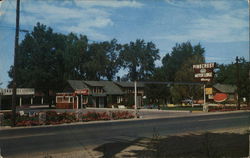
(187, 101)
(151, 106)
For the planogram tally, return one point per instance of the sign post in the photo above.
(135, 99)
(204, 105)
(204, 73)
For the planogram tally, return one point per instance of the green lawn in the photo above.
(188, 108)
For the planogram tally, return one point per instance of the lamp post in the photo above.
(13, 108)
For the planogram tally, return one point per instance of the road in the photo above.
(16, 142)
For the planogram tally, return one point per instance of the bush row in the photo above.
(53, 118)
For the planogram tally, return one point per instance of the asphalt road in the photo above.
(16, 142)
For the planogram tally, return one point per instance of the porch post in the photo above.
(20, 101)
(42, 100)
(77, 102)
(73, 102)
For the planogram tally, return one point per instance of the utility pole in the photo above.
(14, 66)
(238, 82)
(135, 99)
(204, 99)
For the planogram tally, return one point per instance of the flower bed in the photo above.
(94, 116)
(121, 115)
(53, 118)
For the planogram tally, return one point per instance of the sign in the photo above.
(204, 72)
(82, 91)
(210, 96)
(205, 79)
(220, 97)
(209, 91)
(19, 91)
(204, 66)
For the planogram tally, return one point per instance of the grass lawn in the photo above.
(188, 108)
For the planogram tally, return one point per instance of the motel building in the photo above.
(25, 96)
(100, 94)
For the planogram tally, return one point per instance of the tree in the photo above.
(139, 57)
(178, 68)
(113, 64)
(226, 74)
(37, 60)
(74, 58)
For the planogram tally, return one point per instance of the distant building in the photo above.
(100, 94)
(25, 96)
(227, 90)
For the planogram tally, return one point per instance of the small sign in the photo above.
(200, 75)
(82, 91)
(209, 91)
(210, 96)
(204, 66)
(205, 79)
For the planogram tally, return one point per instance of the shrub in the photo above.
(94, 116)
(121, 115)
(53, 118)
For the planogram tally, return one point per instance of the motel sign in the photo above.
(204, 72)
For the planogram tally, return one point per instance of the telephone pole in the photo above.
(14, 85)
(238, 82)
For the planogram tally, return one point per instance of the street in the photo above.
(41, 140)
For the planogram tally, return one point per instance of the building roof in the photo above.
(94, 83)
(129, 84)
(110, 88)
(77, 84)
(225, 88)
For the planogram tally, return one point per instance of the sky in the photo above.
(220, 26)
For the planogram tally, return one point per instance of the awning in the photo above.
(220, 97)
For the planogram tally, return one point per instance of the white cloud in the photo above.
(216, 4)
(221, 28)
(77, 15)
(220, 5)
(109, 3)
(230, 24)
(1, 8)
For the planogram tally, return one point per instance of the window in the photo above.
(58, 99)
(64, 99)
(71, 99)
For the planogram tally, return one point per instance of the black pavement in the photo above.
(51, 139)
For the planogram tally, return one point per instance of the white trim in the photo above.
(77, 101)
(20, 101)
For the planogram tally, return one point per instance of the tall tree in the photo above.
(36, 60)
(177, 67)
(181, 53)
(227, 74)
(75, 57)
(113, 63)
(139, 57)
